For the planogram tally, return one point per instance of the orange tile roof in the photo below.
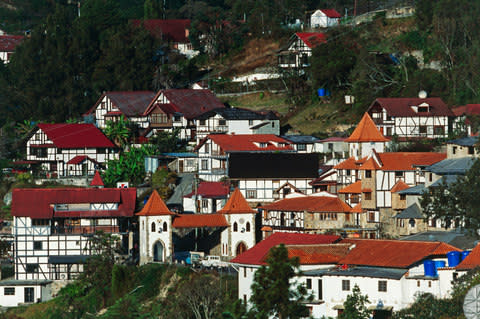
(199, 221)
(405, 161)
(471, 261)
(366, 131)
(350, 163)
(310, 204)
(355, 188)
(237, 204)
(155, 206)
(366, 190)
(247, 142)
(393, 253)
(318, 254)
(400, 185)
(370, 164)
(357, 208)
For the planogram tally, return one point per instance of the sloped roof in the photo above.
(307, 139)
(38, 202)
(412, 211)
(80, 159)
(257, 254)
(312, 39)
(211, 190)
(155, 206)
(97, 180)
(75, 135)
(130, 103)
(370, 164)
(469, 109)
(402, 107)
(472, 260)
(331, 13)
(248, 142)
(189, 102)
(465, 141)
(415, 190)
(350, 163)
(318, 254)
(406, 161)
(366, 131)
(399, 186)
(357, 208)
(449, 166)
(310, 204)
(237, 204)
(174, 30)
(8, 43)
(392, 253)
(199, 221)
(237, 113)
(355, 188)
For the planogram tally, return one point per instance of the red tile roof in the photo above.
(400, 185)
(8, 43)
(80, 159)
(312, 39)
(395, 161)
(472, 260)
(130, 103)
(331, 13)
(350, 163)
(199, 221)
(237, 204)
(469, 109)
(370, 164)
(392, 253)
(257, 254)
(355, 188)
(250, 142)
(366, 131)
(318, 254)
(189, 102)
(357, 208)
(402, 107)
(310, 204)
(97, 180)
(154, 206)
(211, 190)
(38, 202)
(175, 30)
(75, 135)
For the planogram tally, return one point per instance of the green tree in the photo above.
(152, 9)
(273, 293)
(356, 305)
(118, 132)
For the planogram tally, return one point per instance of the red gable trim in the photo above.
(331, 13)
(80, 159)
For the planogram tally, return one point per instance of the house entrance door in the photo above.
(29, 295)
(241, 248)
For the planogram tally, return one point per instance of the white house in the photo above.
(324, 18)
(8, 43)
(53, 231)
(206, 197)
(236, 121)
(155, 231)
(63, 150)
(305, 143)
(299, 49)
(411, 117)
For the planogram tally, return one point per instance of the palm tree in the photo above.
(118, 132)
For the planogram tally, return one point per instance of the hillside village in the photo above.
(176, 176)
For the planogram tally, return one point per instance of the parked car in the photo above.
(188, 257)
(213, 261)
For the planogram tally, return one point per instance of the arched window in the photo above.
(165, 227)
(153, 227)
(248, 226)
(282, 219)
(235, 226)
(412, 222)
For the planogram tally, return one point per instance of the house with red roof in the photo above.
(412, 117)
(174, 31)
(53, 231)
(214, 150)
(8, 43)
(316, 213)
(206, 197)
(324, 18)
(299, 49)
(65, 149)
(379, 173)
(463, 118)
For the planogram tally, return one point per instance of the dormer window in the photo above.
(422, 108)
(263, 145)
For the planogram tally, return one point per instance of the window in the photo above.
(430, 177)
(330, 146)
(263, 145)
(422, 129)
(309, 283)
(418, 283)
(454, 150)
(368, 173)
(204, 164)
(320, 289)
(9, 291)
(59, 151)
(439, 130)
(367, 196)
(371, 217)
(37, 245)
(177, 118)
(273, 124)
(40, 222)
(247, 227)
(222, 122)
(471, 150)
(159, 118)
(348, 172)
(301, 147)
(251, 193)
(398, 174)
(282, 219)
(101, 150)
(207, 148)
(403, 196)
(153, 227)
(346, 285)
(204, 203)
(29, 294)
(202, 122)
(165, 227)
(250, 122)
(32, 268)
(235, 227)
(382, 285)
(422, 109)
(429, 284)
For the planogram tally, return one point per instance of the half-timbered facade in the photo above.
(299, 50)
(8, 43)
(206, 197)
(64, 150)
(53, 228)
(412, 117)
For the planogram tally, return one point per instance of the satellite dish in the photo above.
(422, 94)
(471, 304)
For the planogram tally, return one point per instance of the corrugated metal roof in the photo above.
(67, 135)
(189, 102)
(452, 166)
(465, 141)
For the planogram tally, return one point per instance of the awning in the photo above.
(73, 259)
